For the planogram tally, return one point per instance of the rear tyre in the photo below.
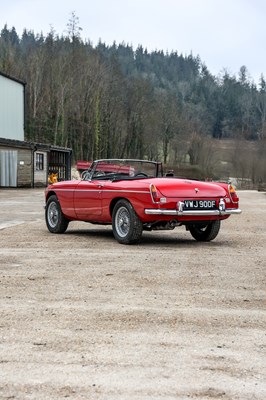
(55, 220)
(127, 227)
(205, 232)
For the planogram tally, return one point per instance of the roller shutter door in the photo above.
(8, 168)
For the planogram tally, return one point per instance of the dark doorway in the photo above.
(60, 163)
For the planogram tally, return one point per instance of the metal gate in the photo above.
(8, 168)
(59, 162)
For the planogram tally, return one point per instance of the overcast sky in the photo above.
(226, 34)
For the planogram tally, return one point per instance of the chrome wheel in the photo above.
(127, 227)
(52, 214)
(122, 222)
(55, 220)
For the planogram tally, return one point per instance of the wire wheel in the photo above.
(122, 221)
(55, 220)
(127, 227)
(52, 214)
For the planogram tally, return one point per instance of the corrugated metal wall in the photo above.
(8, 168)
(11, 109)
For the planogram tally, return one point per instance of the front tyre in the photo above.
(205, 232)
(127, 227)
(55, 220)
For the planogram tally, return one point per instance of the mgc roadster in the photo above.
(134, 195)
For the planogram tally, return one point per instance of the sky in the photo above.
(225, 34)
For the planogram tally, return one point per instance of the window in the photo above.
(39, 162)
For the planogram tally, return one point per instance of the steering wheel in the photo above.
(99, 173)
(85, 175)
(141, 174)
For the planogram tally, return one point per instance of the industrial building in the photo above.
(22, 163)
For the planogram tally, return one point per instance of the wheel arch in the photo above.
(114, 201)
(49, 194)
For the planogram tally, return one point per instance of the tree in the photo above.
(73, 28)
(261, 107)
(114, 101)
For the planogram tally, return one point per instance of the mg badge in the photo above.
(196, 190)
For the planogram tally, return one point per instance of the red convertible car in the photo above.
(134, 195)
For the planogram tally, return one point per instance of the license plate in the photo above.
(199, 205)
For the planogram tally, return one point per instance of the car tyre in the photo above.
(203, 232)
(127, 227)
(55, 220)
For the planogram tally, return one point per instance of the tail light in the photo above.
(154, 194)
(232, 192)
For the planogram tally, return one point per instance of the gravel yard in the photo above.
(83, 317)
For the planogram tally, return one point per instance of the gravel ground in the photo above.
(83, 317)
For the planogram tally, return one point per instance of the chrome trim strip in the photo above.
(100, 189)
(195, 213)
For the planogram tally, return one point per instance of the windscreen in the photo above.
(124, 169)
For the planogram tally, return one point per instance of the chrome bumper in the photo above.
(194, 213)
(222, 210)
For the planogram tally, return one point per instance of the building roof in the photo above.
(32, 145)
(12, 78)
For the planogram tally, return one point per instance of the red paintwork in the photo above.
(93, 201)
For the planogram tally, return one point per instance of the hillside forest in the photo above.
(107, 101)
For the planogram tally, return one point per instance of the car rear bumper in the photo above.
(194, 213)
